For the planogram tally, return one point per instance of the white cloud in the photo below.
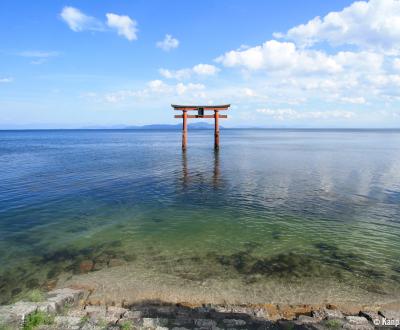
(205, 69)
(156, 88)
(168, 43)
(353, 100)
(373, 25)
(176, 74)
(290, 114)
(396, 64)
(78, 21)
(124, 25)
(6, 80)
(199, 70)
(280, 56)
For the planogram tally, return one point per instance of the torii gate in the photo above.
(200, 114)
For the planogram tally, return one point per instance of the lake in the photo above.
(283, 216)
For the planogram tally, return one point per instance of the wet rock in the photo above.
(182, 321)
(32, 283)
(50, 285)
(205, 323)
(327, 314)
(116, 262)
(86, 266)
(234, 322)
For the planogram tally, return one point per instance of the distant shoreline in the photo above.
(175, 128)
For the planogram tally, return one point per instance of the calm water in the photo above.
(273, 209)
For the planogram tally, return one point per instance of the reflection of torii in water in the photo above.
(216, 172)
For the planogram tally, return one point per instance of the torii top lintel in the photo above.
(198, 107)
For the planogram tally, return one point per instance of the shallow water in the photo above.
(286, 209)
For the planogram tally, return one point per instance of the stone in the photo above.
(390, 314)
(234, 322)
(371, 316)
(68, 322)
(357, 323)
(304, 319)
(133, 315)
(327, 314)
(86, 266)
(96, 313)
(154, 322)
(205, 323)
(17, 313)
(64, 297)
(182, 321)
(356, 320)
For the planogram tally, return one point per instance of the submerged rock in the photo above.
(86, 266)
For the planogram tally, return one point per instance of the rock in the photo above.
(371, 316)
(129, 315)
(86, 266)
(390, 314)
(17, 313)
(357, 323)
(154, 322)
(116, 262)
(205, 323)
(327, 314)
(356, 320)
(64, 297)
(67, 322)
(304, 319)
(182, 321)
(234, 322)
(96, 313)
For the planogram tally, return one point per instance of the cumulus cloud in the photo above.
(373, 25)
(168, 43)
(279, 56)
(78, 21)
(199, 70)
(124, 25)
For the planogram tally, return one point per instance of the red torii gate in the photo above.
(200, 114)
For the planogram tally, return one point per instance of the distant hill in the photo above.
(200, 125)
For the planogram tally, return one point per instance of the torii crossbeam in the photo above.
(200, 114)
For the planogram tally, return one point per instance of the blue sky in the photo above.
(67, 64)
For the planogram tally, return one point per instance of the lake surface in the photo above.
(275, 216)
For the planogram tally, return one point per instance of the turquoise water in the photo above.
(272, 206)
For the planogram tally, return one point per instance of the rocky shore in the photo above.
(70, 308)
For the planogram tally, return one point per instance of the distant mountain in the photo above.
(200, 125)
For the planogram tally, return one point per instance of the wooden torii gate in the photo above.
(200, 114)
